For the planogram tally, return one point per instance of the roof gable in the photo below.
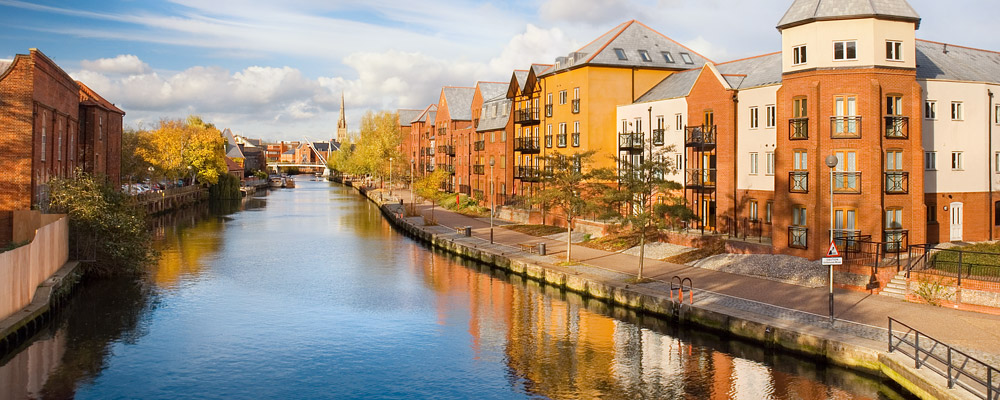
(406, 116)
(806, 11)
(632, 44)
(491, 90)
(459, 102)
(949, 62)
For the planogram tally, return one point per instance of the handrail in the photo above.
(953, 365)
(680, 289)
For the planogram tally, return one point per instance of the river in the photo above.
(309, 293)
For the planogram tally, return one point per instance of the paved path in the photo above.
(792, 303)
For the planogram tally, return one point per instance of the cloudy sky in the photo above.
(276, 70)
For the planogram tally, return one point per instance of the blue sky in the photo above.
(276, 69)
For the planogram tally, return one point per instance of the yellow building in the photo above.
(570, 106)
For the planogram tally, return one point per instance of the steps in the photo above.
(896, 288)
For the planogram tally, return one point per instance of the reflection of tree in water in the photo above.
(94, 321)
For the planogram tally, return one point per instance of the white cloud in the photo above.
(123, 64)
(535, 45)
(708, 49)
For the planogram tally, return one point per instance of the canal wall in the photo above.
(863, 352)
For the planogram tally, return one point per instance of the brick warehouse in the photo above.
(50, 125)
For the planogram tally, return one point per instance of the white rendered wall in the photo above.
(760, 140)
(870, 34)
(969, 136)
(673, 135)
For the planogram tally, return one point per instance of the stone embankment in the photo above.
(856, 346)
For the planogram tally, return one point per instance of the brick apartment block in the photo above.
(50, 125)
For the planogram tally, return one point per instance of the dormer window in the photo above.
(687, 58)
(893, 50)
(645, 56)
(798, 55)
(845, 50)
(667, 56)
(621, 54)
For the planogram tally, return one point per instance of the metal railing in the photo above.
(442, 131)
(576, 106)
(630, 141)
(528, 174)
(477, 194)
(957, 367)
(798, 129)
(897, 182)
(479, 169)
(548, 110)
(447, 149)
(700, 177)
(798, 182)
(849, 240)
(743, 228)
(527, 144)
(954, 263)
(897, 127)
(699, 136)
(447, 168)
(576, 139)
(845, 127)
(465, 189)
(479, 145)
(526, 116)
(861, 250)
(658, 135)
(847, 182)
(798, 237)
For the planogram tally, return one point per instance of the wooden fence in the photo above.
(24, 268)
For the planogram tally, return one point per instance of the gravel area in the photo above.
(577, 237)
(781, 268)
(659, 250)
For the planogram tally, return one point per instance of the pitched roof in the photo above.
(629, 38)
(89, 97)
(676, 85)
(406, 116)
(488, 122)
(492, 90)
(426, 114)
(232, 165)
(459, 100)
(949, 62)
(752, 72)
(805, 11)
(321, 146)
(522, 77)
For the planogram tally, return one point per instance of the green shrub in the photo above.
(227, 188)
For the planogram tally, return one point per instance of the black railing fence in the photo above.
(958, 368)
(954, 263)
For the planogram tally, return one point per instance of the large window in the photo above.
(893, 50)
(799, 55)
(846, 178)
(769, 163)
(846, 123)
(894, 105)
(754, 117)
(753, 210)
(930, 160)
(753, 163)
(956, 111)
(930, 109)
(956, 160)
(772, 116)
(845, 50)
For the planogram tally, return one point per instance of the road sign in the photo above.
(833, 260)
(832, 252)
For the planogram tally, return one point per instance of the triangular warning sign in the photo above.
(833, 250)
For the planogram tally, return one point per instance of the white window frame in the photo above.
(956, 161)
(679, 120)
(930, 109)
(930, 161)
(957, 111)
(667, 56)
(575, 140)
(996, 162)
(893, 50)
(679, 161)
(644, 55)
(843, 56)
(687, 58)
(562, 97)
(799, 55)
(754, 117)
(771, 117)
(753, 163)
(753, 210)
(769, 163)
(996, 114)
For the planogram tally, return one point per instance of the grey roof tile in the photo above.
(492, 90)
(459, 100)
(406, 116)
(804, 11)
(676, 85)
(630, 37)
(488, 123)
(950, 62)
(752, 72)
(522, 78)
(429, 111)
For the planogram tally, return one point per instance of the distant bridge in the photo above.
(276, 167)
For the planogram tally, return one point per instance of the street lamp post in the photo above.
(492, 199)
(390, 178)
(831, 161)
(412, 162)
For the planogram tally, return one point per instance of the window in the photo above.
(503, 162)
(59, 145)
(798, 55)
(956, 111)
(843, 224)
(930, 109)
(845, 50)
(548, 136)
(996, 114)
(679, 120)
(799, 216)
(893, 219)
(753, 210)
(562, 97)
(548, 99)
(797, 234)
(754, 117)
(753, 163)
(845, 176)
(638, 124)
(576, 93)
(503, 136)
(846, 123)
(930, 160)
(801, 160)
(687, 58)
(504, 108)
(659, 122)
(645, 55)
(767, 211)
(100, 128)
(621, 54)
(893, 50)
(932, 213)
(956, 160)
(772, 116)
(576, 133)
(996, 162)
(562, 134)
(667, 56)
(679, 161)
(800, 108)
(769, 163)
(893, 160)
(44, 128)
(894, 105)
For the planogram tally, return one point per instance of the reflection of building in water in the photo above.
(24, 375)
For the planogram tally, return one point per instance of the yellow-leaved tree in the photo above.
(176, 145)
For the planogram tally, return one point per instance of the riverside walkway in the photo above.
(857, 313)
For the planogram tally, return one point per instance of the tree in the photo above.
(427, 187)
(133, 166)
(175, 145)
(639, 181)
(378, 141)
(571, 188)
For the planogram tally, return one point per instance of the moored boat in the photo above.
(276, 181)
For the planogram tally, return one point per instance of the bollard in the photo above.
(468, 231)
(541, 249)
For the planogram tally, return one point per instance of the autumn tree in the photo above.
(571, 187)
(133, 166)
(378, 140)
(427, 187)
(176, 145)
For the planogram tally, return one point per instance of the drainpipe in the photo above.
(736, 164)
(989, 174)
(881, 146)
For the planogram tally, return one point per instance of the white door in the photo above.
(956, 221)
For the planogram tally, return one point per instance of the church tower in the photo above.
(342, 122)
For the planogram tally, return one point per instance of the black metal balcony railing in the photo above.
(896, 240)
(849, 240)
(798, 237)
(700, 178)
(798, 129)
(465, 189)
(897, 182)
(845, 127)
(798, 182)
(430, 168)
(658, 135)
(699, 136)
(548, 141)
(576, 106)
(847, 182)
(447, 149)
(526, 116)
(561, 140)
(527, 145)
(427, 151)
(479, 145)
(548, 110)
(479, 169)
(528, 174)
(630, 141)
(897, 127)
(447, 168)
(442, 131)
(576, 139)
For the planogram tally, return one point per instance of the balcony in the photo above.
(658, 135)
(527, 145)
(427, 151)
(798, 129)
(849, 240)
(897, 182)
(465, 189)
(576, 106)
(896, 240)
(700, 178)
(527, 116)
(798, 182)
(847, 182)
(576, 139)
(479, 145)
(798, 237)
(447, 149)
(631, 142)
(479, 169)
(528, 174)
(702, 137)
(430, 168)
(845, 127)
(897, 127)
(447, 168)
(442, 131)
(561, 140)
(548, 111)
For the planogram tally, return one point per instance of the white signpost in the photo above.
(832, 258)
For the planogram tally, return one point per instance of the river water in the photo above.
(309, 293)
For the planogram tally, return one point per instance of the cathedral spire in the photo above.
(342, 122)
